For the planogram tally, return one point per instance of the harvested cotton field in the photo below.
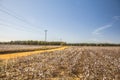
(72, 63)
(8, 48)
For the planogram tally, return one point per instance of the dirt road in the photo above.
(20, 54)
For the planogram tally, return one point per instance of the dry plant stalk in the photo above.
(73, 63)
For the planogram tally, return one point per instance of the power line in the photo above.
(21, 27)
(14, 15)
(8, 12)
(16, 28)
(20, 17)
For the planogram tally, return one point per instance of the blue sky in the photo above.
(66, 20)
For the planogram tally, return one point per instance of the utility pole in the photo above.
(46, 35)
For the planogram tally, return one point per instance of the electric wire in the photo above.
(15, 25)
(7, 11)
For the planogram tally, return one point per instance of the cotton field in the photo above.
(72, 63)
(8, 48)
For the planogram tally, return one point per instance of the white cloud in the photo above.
(98, 30)
(116, 17)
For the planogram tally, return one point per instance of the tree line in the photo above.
(93, 44)
(32, 42)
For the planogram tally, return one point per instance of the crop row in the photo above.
(84, 63)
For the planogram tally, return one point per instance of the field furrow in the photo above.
(73, 63)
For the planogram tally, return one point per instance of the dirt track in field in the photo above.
(20, 54)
